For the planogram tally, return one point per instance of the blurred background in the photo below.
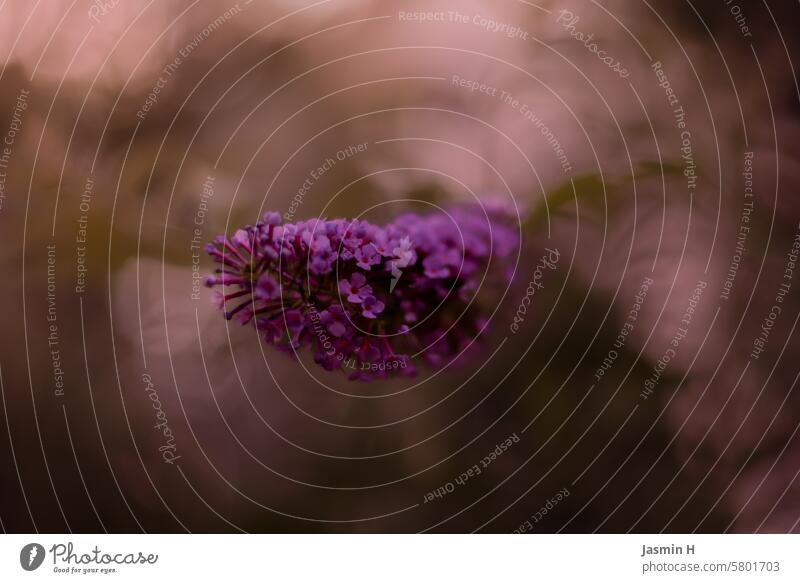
(650, 387)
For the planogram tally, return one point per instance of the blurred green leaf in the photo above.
(594, 190)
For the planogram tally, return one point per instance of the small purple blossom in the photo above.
(335, 320)
(332, 285)
(356, 289)
(371, 307)
(267, 288)
(367, 256)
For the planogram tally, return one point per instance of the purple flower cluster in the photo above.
(364, 297)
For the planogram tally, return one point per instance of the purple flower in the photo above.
(371, 307)
(367, 256)
(403, 253)
(267, 288)
(443, 263)
(316, 284)
(294, 324)
(335, 319)
(356, 289)
(272, 218)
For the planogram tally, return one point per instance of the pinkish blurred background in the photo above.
(651, 143)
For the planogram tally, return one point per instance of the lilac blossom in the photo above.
(372, 307)
(356, 288)
(332, 285)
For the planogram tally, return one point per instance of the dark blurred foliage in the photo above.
(266, 446)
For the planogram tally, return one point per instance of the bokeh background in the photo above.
(135, 131)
